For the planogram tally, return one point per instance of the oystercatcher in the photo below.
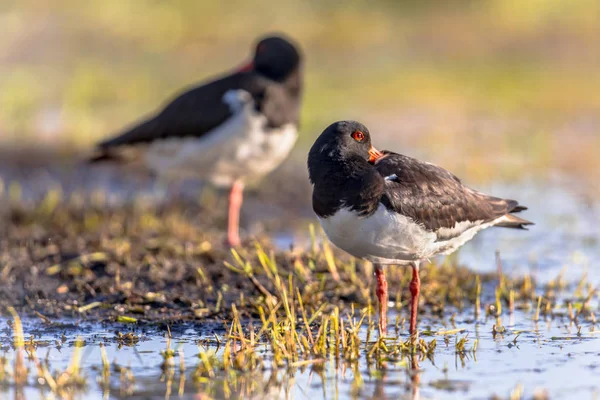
(229, 131)
(388, 208)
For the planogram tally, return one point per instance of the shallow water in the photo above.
(566, 234)
(546, 357)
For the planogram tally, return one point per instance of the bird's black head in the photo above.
(276, 58)
(343, 142)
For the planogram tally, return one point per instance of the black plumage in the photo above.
(274, 81)
(341, 175)
(435, 198)
(432, 197)
(388, 208)
(229, 131)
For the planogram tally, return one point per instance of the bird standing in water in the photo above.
(388, 208)
(232, 130)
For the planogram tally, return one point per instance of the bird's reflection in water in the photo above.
(379, 392)
(415, 377)
(414, 373)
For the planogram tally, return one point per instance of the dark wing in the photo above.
(437, 199)
(201, 109)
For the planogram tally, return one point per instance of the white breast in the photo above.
(387, 237)
(240, 148)
(384, 237)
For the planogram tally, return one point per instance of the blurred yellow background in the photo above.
(520, 80)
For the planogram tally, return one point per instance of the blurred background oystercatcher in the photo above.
(388, 208)
(229, 131)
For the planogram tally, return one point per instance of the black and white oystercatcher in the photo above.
(229, 131)
(388, 208)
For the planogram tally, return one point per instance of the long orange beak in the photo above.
(374, 155)
(247, 67)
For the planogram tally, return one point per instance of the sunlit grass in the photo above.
(285, 311)
(289, 334)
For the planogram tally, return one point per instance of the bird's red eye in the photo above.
(358, 136)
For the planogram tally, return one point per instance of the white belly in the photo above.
(387, 237)
(384, 237)
(241, 148)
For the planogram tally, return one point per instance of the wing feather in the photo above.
(436, 199)
(201, 109)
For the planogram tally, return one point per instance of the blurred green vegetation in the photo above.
(73, 72)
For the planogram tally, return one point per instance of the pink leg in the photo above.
(415, 288)
(235, 202)
(382, 296)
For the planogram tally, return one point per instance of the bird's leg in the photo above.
(382, 296)
(415, 288)
(233, 224)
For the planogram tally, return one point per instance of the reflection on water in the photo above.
(551, 357)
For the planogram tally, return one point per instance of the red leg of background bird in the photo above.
(382, 296)
(235, 203)
(415, 288)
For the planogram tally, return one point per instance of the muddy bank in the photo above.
(143, 262)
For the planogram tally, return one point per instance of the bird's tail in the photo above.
(512, 221)
(101, 155)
